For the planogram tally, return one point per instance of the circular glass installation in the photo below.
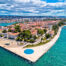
(28, 51)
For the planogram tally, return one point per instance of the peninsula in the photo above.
(30, 40)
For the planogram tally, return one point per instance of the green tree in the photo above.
(18, 39)
(1, 35)
(34, 37)
(55, 28)
(32, 40)
(17, 28)
(9, 30)
(26, 34)
(45, 30)
(47, 36)
(60, 23)
(4, 31)
(41, 32)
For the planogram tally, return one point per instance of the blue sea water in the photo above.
(56, 56)
(7, 24)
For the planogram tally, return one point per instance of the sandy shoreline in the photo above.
(38, 51)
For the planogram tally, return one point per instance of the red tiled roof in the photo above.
(12, 28)
(34, 32)
(0, 29)
(14, 34)
(51, 32)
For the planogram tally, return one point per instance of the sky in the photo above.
(33, 7)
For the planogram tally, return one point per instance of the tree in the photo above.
(45, 30)
(32, 40)
(41, 38)
(17, 28)
(4, 31)
(47, 36)
(41, 32)
(9, 30)
(18, 39)
(1, 35)
(60, 23)
(26, 34)
(55, 28)
(34, 37)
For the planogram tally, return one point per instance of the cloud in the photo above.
(2, 5)
(57, 4)
(32, 7)
(22, 1)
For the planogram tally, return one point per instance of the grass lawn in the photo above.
(41, 43)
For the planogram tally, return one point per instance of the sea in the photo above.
(7, 24)
(56, 56)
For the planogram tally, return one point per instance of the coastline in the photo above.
(38, 51)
